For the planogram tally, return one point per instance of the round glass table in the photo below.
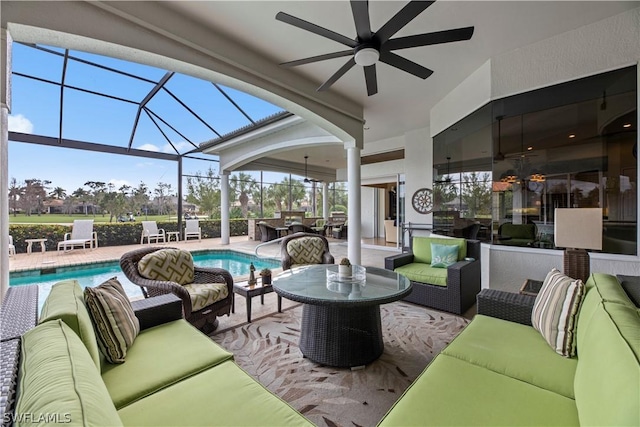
(341, 324)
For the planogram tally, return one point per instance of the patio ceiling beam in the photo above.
(233, 102)
(89, 146)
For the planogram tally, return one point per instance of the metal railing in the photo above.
(270, 242)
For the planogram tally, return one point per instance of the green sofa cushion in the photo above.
(607, 381)
(159, 357)
(223, 395)
(424, 273)
(59, 378)
(66, 302)
(515, 350)
(421, 247)
(452, 392)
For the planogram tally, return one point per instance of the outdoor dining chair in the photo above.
(192, 229)
(12, 248)
(150, 231)
(82, 235)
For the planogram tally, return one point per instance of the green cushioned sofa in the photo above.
(172, 375)
(501, 373)
(451, 289)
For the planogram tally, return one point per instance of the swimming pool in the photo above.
(237, 263)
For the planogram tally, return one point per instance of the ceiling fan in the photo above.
(307, 180)
(446, 180)
(370, 47)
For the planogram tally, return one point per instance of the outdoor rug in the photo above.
(267, 349)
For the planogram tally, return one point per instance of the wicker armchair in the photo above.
(267, 232)
(301, 228)
(204, 319)
(462, 282)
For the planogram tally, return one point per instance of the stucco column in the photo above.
(354, 251)
(325, 201)
(5, 107)
(224, 207)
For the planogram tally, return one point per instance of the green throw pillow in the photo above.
(442, 256)
(115, 323)
(555, 311)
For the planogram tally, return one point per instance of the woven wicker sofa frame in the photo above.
(463, 282)
(206, 319)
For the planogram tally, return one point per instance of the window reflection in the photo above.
(517, 159)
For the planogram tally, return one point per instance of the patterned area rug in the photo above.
(268, 350)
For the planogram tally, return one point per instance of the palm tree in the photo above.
(242, 185)
(15, 193)
(58, 193)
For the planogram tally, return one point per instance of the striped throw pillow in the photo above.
(114, 321)
(555, 311)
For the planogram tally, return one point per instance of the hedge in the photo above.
(115, 234)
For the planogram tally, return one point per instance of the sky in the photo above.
(87, 117)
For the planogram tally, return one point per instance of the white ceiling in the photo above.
(403, 101)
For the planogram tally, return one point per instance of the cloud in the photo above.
(148, 147)
(144, 165)
(117, 183)
(19, 123)
(180, 146)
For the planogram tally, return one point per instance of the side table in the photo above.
(531, 287)
(249, 292)
(30, 243)
(175, 234)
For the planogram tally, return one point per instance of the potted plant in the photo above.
(344, 268)
(265, 273)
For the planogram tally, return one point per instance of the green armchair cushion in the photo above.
(204, 294)
(113, 318)
(423, 273)
(306, 250)
(236, 400)
(421, 248)
(66, 302)
(59, 378)
(160, 357)
(172, 265)
(555, 311)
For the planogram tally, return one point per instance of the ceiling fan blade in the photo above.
(447, 36)
(360, 11)
(372, 81)
(316, 29)
(317, 58)
(402, 18)
(346, 67)
(405, 65)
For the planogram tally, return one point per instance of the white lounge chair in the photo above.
(82, 235)
(192, 229)
(150, 231)
(12, 248)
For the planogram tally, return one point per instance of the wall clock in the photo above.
(422, 201)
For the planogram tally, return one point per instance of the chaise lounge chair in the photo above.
(192, 229)
(12, 248)
(82, 235)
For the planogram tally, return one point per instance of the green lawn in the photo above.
(67, 219)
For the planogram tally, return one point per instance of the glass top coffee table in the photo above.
(341, 324)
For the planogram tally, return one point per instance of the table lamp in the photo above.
(578, 229)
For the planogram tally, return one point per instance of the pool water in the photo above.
(236, 263)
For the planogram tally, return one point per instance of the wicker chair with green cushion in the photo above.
(320, 226)
(518, 234)
(206, 293)
(340, 231)
(267, 232)
(298, 227)
(439, 282)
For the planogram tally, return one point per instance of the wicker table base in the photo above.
(344, 337)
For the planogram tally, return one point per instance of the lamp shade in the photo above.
(579, 228)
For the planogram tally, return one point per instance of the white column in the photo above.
(325, 201)
(224, 207)
(354, 226)
(5, 107)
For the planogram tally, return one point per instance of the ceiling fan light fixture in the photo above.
(367, 56)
